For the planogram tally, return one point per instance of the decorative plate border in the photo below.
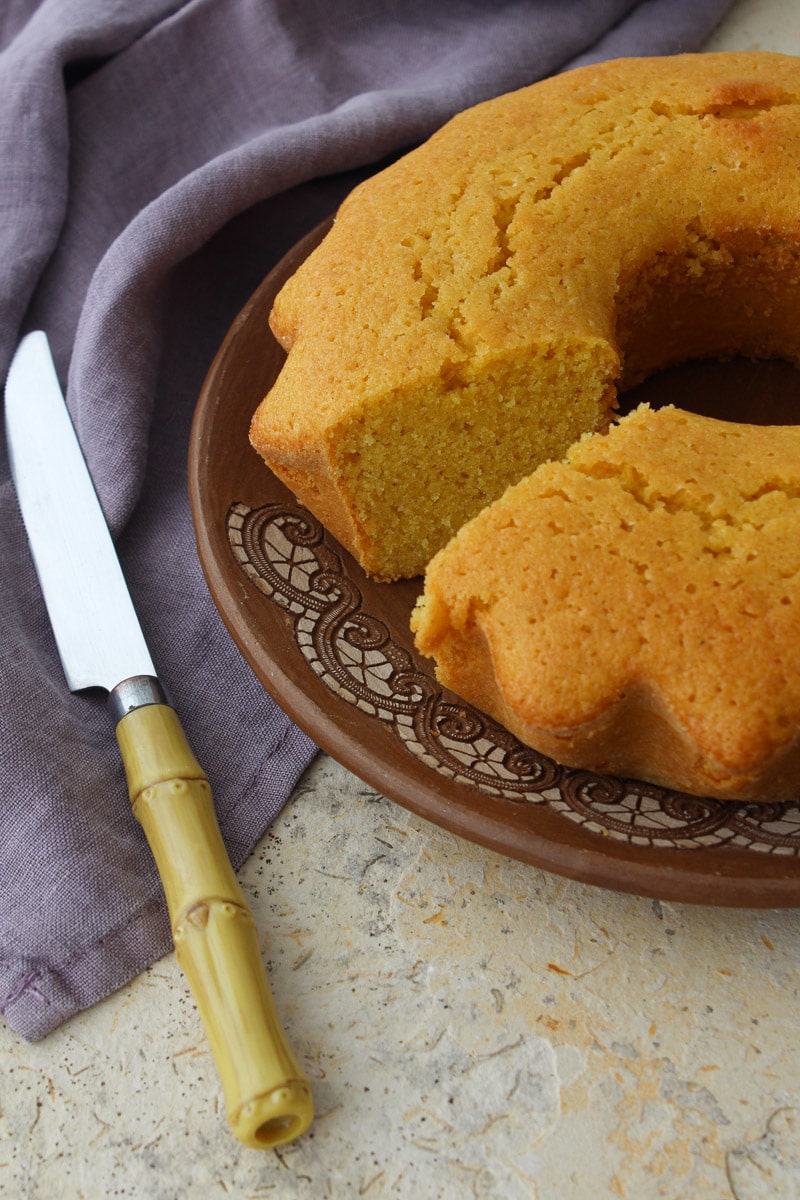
(285, 552)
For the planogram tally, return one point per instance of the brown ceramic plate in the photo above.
(334, 649)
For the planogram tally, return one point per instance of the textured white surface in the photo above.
(472, 1027)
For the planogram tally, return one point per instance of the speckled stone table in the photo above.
(472, 1027)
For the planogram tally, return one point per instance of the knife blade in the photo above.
(101, 644)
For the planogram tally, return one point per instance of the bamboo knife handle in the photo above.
(267, 1096)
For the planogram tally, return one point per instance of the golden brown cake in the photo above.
(635, 609)
(477, 305)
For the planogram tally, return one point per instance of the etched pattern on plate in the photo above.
(285, 552)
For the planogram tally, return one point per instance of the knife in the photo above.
(101, 644)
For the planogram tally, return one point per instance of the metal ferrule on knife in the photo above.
(135, 693)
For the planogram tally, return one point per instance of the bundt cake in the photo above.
(635, 609)
(477, 305)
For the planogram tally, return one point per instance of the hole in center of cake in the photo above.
(712, 327)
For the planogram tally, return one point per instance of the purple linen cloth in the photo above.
(156, 159)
